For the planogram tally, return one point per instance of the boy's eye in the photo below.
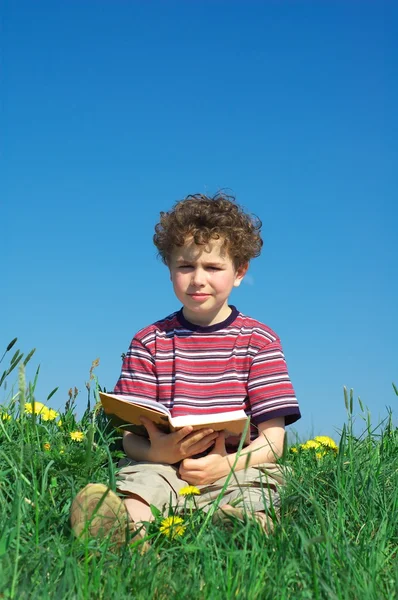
(209, 268)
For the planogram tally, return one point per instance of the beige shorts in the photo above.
(254, 489)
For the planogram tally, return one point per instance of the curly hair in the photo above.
(207, 218)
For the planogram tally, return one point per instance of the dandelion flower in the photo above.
(172, 527)
(59, 423)
(35, 407)
(189, 490)
(49, 414)
(77, 436)
(310, 444)
(326, 441)
(5, 417)
(294, 449)
(47, 446)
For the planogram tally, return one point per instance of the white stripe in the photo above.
(269, 380)
(132, 376)
(182, 401)
(137, 352)
(274, 406)
(205, 378)
(267, 357)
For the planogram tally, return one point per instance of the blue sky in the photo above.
(112, 111)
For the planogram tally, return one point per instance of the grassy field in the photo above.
(337, 537)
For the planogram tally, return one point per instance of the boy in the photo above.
(207, 357)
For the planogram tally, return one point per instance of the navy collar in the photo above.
(209, 328)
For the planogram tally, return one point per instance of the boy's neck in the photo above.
(209, 319)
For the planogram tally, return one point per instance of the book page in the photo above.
(234, 423)
(205, 419)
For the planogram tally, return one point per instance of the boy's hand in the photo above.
(206, 470)
(170, 448)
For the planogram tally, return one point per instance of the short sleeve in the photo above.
(270, 390)
(138, 377)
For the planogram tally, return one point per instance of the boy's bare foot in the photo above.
(97, 512)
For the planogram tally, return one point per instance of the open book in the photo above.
(125, 412)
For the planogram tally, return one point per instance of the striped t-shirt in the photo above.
(191, 369)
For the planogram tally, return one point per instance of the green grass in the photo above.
(337, 536)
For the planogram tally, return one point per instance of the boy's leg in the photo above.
(138, 509)
(145, 484)
(97, 512)
(251, 493)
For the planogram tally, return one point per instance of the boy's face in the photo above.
(203, 278)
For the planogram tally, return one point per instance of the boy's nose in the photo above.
(198, 278)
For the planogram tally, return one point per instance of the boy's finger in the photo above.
(180, 434)
(150, 426)
(199, 446)
(201, 436)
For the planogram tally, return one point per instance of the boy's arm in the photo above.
(135, 446)
(168, 448)
(266, 448)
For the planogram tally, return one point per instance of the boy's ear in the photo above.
(240, 273)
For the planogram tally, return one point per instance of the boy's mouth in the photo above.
(198, 296)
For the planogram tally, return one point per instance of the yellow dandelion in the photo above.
(59, 423)
(310, 444)
(49, 414)
(77, 436)
(47, 446)
(35, 407)
(5, 417)
(189, 490)
(172, 527)
(294, 449)
(327, 442)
